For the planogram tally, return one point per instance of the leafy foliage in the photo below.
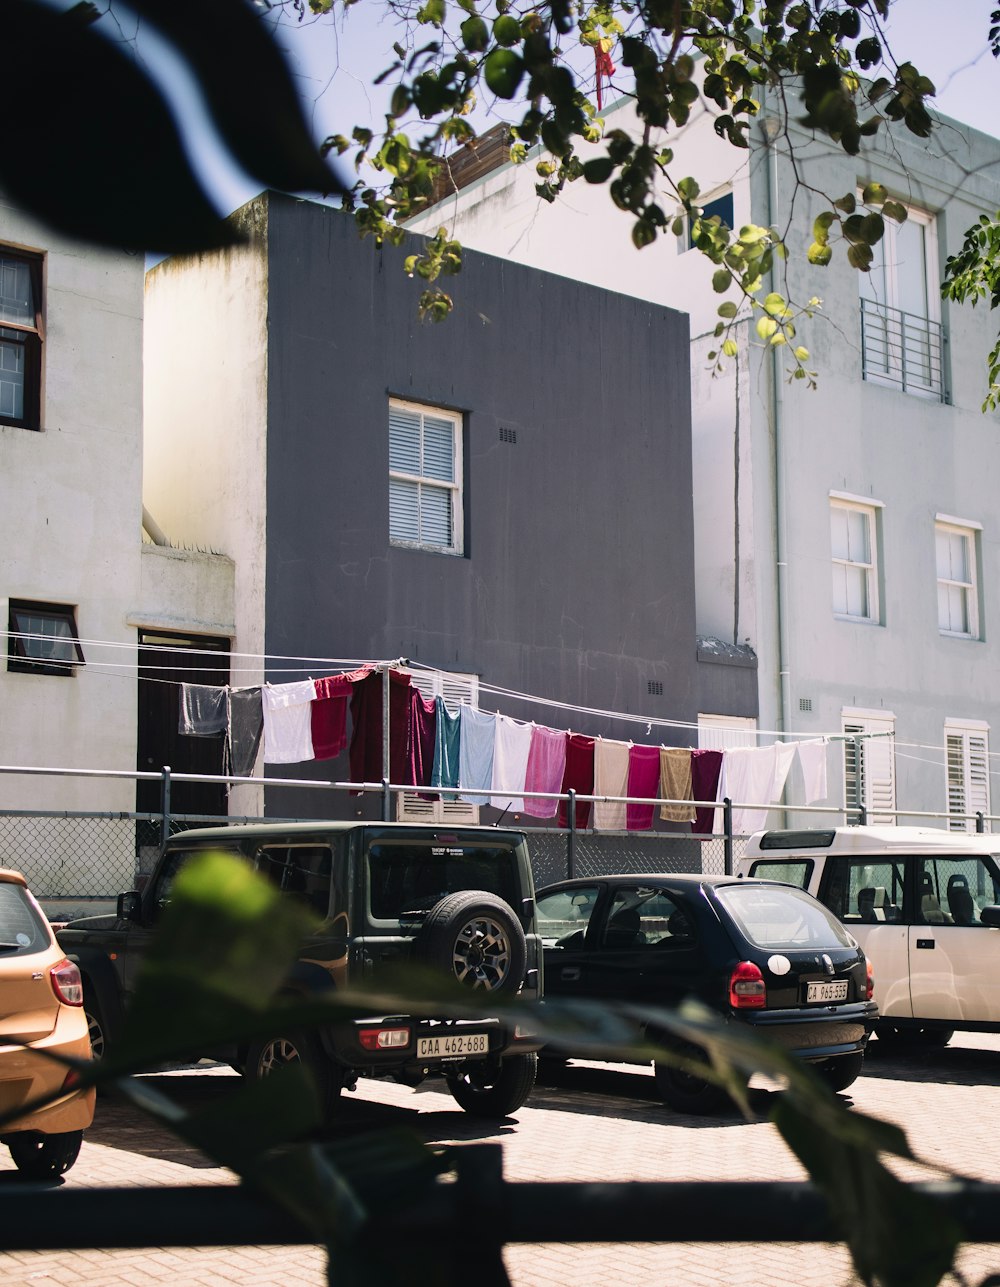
(973, 274)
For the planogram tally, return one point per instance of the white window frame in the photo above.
(893, 375)
(967, 771)
(454, 688)
(454, 488)
(946, 525)
(869, 569)
(874, 771)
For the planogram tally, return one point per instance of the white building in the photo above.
(848, 534)
(79, 589)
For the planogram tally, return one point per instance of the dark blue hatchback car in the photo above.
(759, 952)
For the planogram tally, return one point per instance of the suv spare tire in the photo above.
(477, 937)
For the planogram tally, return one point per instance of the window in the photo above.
(957, 584)
(721, 732)
(42, 639)
(425, 478)
(563, 916)
(412, 806)
(720, 208)
(967, 765)
(954, 891)
(854, 549)
(865, 890)
(901, 340)
(870, 765)
(20, 339)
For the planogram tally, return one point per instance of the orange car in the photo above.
(41, 1010)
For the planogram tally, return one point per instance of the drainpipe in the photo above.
(155, 531)
(770, 127)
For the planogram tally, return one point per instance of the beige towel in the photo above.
(610, 778)
(675, 783)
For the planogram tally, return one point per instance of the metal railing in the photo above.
(902, 349)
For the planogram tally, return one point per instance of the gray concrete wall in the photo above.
(577, 581)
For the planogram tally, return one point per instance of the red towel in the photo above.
(328, 712)
(420, 751)
(579, 776)
(644, 781)
(705, 769)
(366, 736)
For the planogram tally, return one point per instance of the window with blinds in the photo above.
(967, 767)
(870, 766)
(453, 689)
(425, 478)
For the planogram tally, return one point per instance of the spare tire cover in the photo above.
(477, 937)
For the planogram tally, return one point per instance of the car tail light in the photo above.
(384, 1038)
(66, 983)
(870, 987)
(71, 1081)
(747, 990)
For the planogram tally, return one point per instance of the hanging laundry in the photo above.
(812, 760)
(447, 738)
(675, 783)
(512, 742)
(288, 722)
(420, 751)
(475, 753)
(366, 736)
(579, 777)
(246, 727)
(329, 712)
(784, 758)
(644, 782)
(706, 772)
(749, 777)
(610, 778)
(204, 710)
(545, 769)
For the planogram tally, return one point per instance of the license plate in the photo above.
(835, 991)
(453, 1045)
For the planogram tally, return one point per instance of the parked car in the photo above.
(460, 900)
(922, 903)
(758, 952)
(41, 1010)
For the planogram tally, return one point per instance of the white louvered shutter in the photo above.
(454, 689)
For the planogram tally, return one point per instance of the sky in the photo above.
(335, 63)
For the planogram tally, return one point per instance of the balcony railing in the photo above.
(902, 350)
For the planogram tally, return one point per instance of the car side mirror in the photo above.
(990, 916)
(129, 906)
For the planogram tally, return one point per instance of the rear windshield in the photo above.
(22, 928)
(406, 880)
(770, 917)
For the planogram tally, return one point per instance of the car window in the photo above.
(775, 918)
(22, 927)
(301, 870)
(172, 862)
(407, 879)
(789, 870)
(864, 890)
(641, 916)
(954, 890)
(564, 914)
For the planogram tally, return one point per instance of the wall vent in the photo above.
(508, 435)
(655, 687)
(805, 703)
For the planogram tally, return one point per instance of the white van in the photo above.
(925, 907)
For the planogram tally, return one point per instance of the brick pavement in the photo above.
(586, 1122)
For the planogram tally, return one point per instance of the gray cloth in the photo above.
(204, 710)
(246, 724)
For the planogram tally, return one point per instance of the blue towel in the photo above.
(447, 740)
(475, 754)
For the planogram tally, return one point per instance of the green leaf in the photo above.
(821, 226)
(475, 34)
(801, 354)
(721, 280)
(727, 309)
(847, 203)
(874, 194)
(894, 210)
(599, 170)
(730, 348)
(775, 305)
(432, 11)
(766, 327)
(503, 70)
(819, 255)
(507, 31)
(860, 257)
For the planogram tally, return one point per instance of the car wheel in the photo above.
(476, 937)
(267, 1055)
(487, 1091)
(685, 1091)
(841, 1072)
(44, 1157)
(96, 1028)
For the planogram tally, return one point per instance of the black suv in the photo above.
(458, 899)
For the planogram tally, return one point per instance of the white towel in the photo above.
(812, 758)
(749, 778)
(288, 722)
(511, 745)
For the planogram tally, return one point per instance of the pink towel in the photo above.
(643, 781)
(546, 765)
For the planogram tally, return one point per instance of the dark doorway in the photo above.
(165, 662)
